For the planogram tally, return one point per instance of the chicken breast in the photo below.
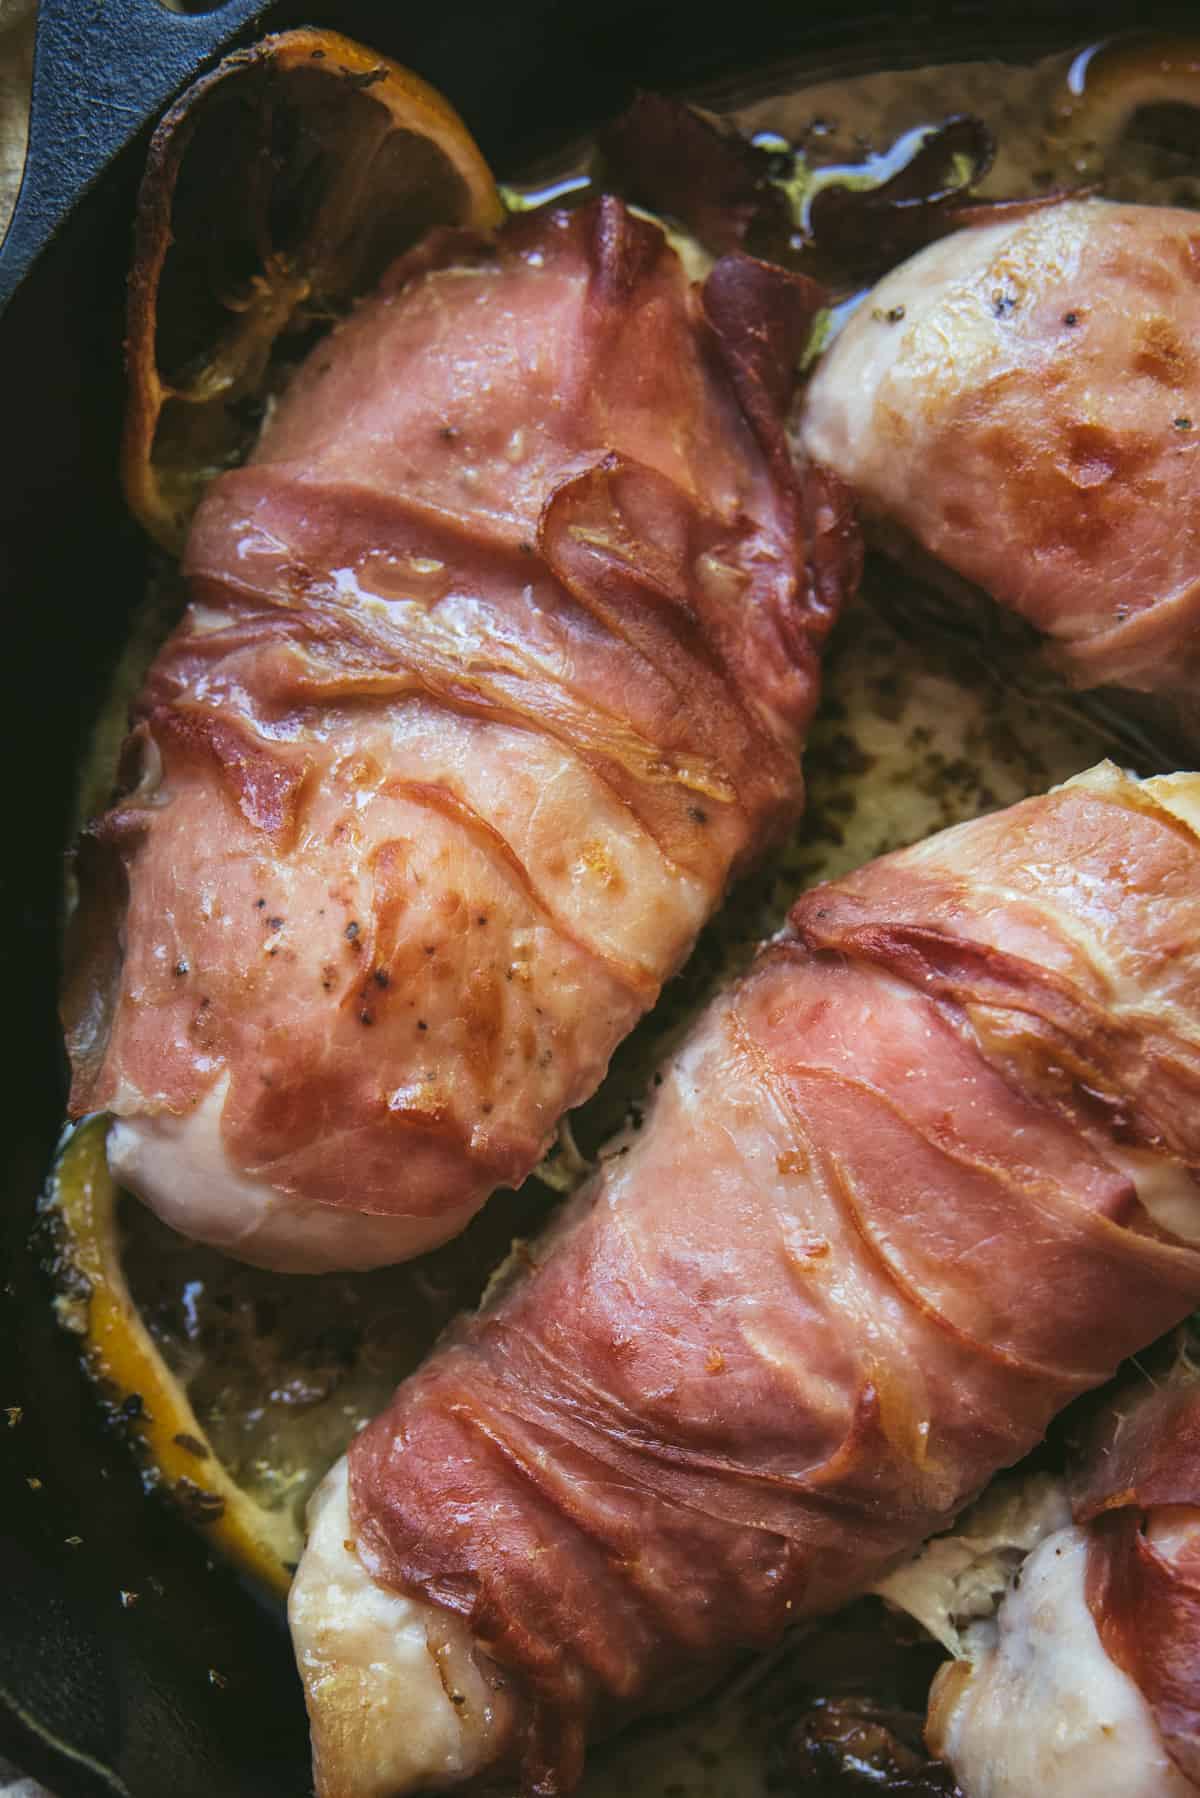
(1084, 1726)
(498, 663)
(920, 1177)
(1096, 1647)
(1021, 401)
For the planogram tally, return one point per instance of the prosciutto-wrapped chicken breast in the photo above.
(1021, 402)
(498, 663)
(1096, 1647)
(921, 1176)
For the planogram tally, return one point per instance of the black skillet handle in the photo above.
(101, 68)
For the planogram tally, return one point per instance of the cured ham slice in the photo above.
(920, 1177)
(1097, 1646)
(498, 664)
(1021, 402)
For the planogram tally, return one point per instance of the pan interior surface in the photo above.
(130, 1661)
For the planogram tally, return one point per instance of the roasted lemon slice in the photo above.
(277, 189)
(238, 1387)
(94, 1301)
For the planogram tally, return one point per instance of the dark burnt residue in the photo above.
(855, 1745)
(844, 1711)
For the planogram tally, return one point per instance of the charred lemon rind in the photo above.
(251, 283)
(139, 1392)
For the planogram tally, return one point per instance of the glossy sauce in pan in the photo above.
(916, 731)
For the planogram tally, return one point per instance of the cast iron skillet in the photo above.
(189, 1692)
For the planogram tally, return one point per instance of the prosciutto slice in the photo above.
(498, 664)
(1097, 1646)
(1021, 403)
(920, 1177)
